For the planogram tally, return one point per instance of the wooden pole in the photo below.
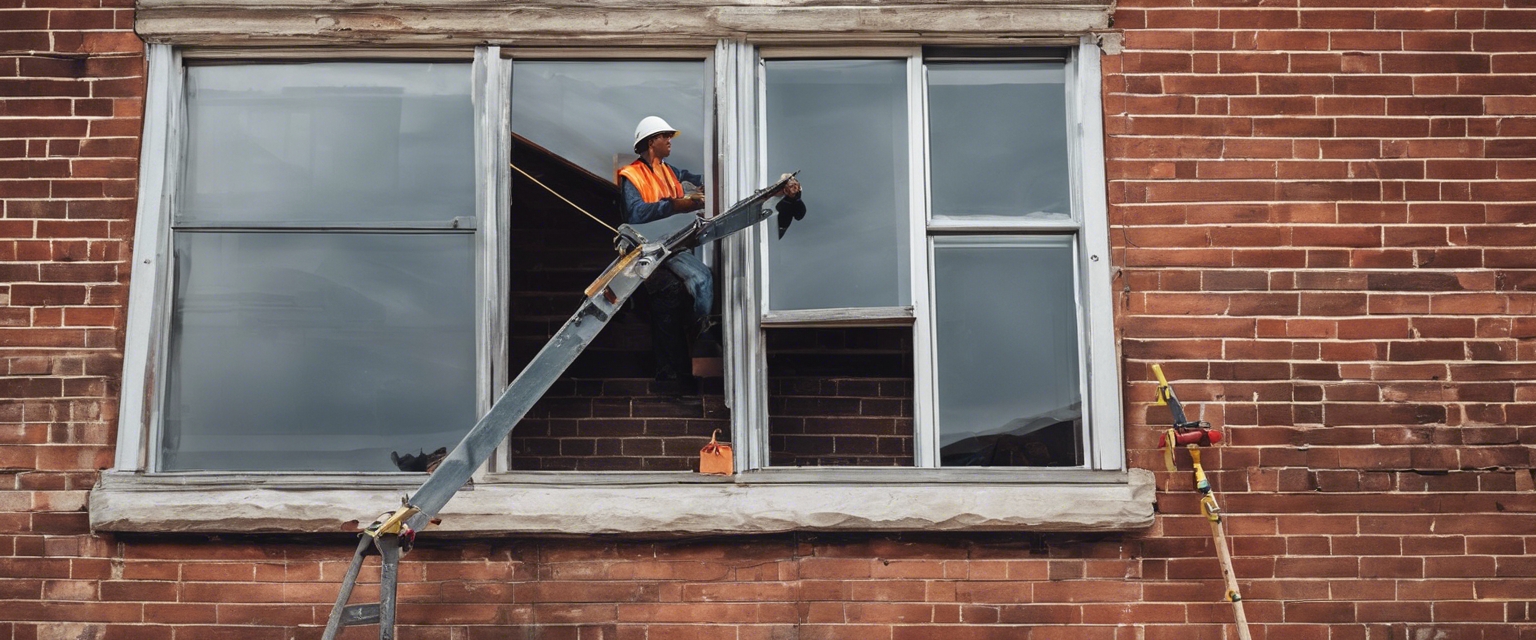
(1212, 512)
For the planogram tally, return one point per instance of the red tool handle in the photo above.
(1199, 437)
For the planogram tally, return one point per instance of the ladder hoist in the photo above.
(640, 257)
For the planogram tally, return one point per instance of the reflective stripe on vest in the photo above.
(652, 187)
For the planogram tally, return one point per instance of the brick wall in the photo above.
(71, 97)
(839, 397)
(1322, 216)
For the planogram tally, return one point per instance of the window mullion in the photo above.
(1107, 439)
(738, 103)
(490, 98)
(925, 441)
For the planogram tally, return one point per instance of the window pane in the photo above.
(1007, 348)
(843, 125)
(328, 142)
(997, 135)
(586, 111)
(300, 351)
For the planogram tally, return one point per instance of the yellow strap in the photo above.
(1202, 484)
(557, 195)
(1163, 390)
(1169, 442)
(1209, 509)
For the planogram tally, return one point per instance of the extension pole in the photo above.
(1193, 435)
(1212, 512)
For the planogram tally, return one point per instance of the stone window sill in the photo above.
(654, 504)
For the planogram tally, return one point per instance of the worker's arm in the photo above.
(637, 210)
(684, 175)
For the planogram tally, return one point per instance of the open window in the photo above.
(572, 129)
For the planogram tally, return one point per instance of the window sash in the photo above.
(902, 272)
(983, 224)
(1079, 347)
(1098, 367)
(165, 139)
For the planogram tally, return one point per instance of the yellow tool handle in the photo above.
(1163, 390)
(393, 524)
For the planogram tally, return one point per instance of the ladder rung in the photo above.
(357, 614)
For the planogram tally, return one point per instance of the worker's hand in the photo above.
(685, 205)
(792, 189)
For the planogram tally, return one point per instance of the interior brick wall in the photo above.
(1322, 213)
(840, 397)
(604, 413)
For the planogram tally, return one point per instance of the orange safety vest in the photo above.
(653, 185)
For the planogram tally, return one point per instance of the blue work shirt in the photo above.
(638, 211)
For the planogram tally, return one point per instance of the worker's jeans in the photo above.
(671, 311)
(699, 281)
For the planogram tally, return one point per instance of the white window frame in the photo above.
(149, 302)
(134, 497)
(738, 102)
(1103, 441)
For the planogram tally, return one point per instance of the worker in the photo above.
(650, 190)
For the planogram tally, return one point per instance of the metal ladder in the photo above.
(394, 533)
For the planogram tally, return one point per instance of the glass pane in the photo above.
(586, 111)
(316, 352)
(353, 142)
(843, 125)
(997, 135)
(1007, 348)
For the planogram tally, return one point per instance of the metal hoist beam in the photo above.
(393, 533)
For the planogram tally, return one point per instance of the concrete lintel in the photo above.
(468, 22)
(120, 503)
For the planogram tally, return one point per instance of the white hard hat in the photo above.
(650, 126)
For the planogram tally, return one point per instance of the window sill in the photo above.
(319, 503)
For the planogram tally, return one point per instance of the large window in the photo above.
(334, 274)
(321, 281)
(947, 197)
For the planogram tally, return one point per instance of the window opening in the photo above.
(1007, 331)
(573, 124)
(840, 396)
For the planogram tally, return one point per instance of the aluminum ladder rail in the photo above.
(640, 260)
